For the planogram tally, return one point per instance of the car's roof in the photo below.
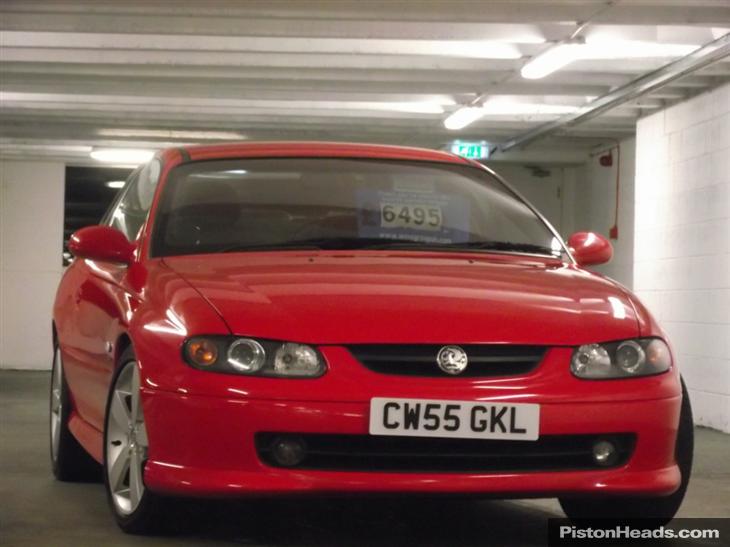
(314, 149)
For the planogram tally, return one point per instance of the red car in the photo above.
(289, 318)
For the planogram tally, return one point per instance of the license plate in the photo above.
(455, 419)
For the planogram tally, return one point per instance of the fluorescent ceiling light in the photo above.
(463, 117)
(503, 107)
(550, 60)
(121, 155)
(599, 47)
(114, 184)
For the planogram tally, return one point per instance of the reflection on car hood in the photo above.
(340, 297)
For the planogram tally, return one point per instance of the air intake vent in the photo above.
(411, 454)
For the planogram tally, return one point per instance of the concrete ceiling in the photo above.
(145, 74)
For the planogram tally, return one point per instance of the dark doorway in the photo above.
(89, 192)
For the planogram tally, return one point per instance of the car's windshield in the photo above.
(329, 203)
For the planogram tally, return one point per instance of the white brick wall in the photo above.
(682, 241)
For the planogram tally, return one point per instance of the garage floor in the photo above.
(37, 510)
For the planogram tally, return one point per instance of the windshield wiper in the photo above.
(375, 243)
(467, 245)
(509, 246)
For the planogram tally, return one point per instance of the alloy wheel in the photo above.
(56, 403)
(126, 449)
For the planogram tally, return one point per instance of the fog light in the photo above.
(604, 453)
(288, 451)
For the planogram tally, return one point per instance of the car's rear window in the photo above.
(332, 203)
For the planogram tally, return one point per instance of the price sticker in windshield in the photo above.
(409, 215)
(426, 216)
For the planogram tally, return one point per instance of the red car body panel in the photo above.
(309, 297)
(201, 424)
(194, 433)
(318, 150)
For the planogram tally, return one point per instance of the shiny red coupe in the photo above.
(316, 318)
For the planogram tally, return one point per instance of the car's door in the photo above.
(102, 302)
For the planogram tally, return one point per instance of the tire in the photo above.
(69, 461)
(661, 509)
(135, 508)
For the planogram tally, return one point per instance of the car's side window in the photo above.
(130, 212)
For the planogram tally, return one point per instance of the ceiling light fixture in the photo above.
(552, 59)
(464, 116)
(504, 107)
(125, 156)
(598, 47)
(114, 184)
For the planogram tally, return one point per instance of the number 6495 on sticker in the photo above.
(402, 215)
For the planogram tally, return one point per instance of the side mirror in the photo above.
(590, 248)
(101, 243)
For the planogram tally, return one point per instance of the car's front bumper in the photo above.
(204, 446)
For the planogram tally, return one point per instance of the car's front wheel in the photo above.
(661, 509)
(69, 461)
(136, 509)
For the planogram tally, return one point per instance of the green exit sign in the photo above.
(475, 150)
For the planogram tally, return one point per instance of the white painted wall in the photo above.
(31, 235)
(542, 186)
(682, 242)
(594, 206)
(582, 198)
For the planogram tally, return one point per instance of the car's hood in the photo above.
(332, 298)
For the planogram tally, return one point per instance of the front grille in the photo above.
(420, 359)
(419, 454)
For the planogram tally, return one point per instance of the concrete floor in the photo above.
(37, 510)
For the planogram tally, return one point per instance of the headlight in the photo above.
(296, 360)
(253, 357)
(246, 355)
(625, 359)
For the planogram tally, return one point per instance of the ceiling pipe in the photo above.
(700, 58)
